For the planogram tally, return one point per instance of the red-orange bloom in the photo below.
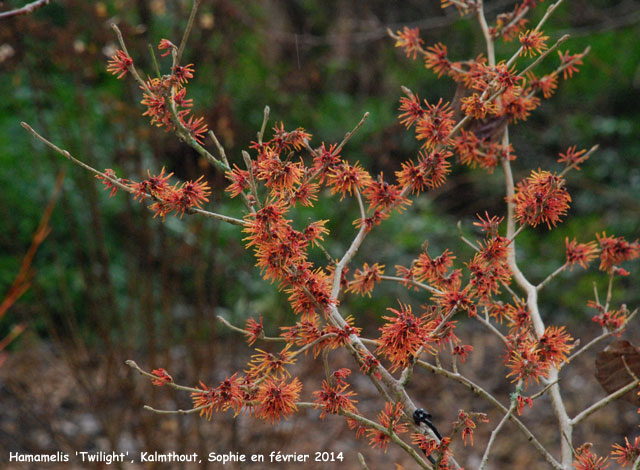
(391, 419)
(188, 195)
(436, 59)
(489, 225)
(615, 250)
(382, 195)
(533, 42)
(161, 377)
(542, 197)
(476, 107)
(429, 173)
(239, 181)
(347, 178)
(411, 109)
(521, 401)
(325, 159)
(456, 298)
(569, 63)
(402, 336)
(265, 363)
(364, 280)
(108, 184)
(573, 157)
(587, 460)
(254, 329)
(554, 345)
(628, 453)
(462, 351)
(409, 39)
(547, 84)
(167, 45)
(526, 364)
(197, 128)
(334, 398)
(611, 319)
(435, 126)
(276, 399)
(467, 424)
(227, 395)
(119, 64)
(182, 73)
(155, 186)
(580, 253)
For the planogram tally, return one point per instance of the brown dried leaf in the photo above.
(611, 371)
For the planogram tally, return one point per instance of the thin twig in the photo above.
(187, 31)
(171, 384)
(124, 187)
(265, 119)
(132, 67)
(231, 326)
(494, 434)
(25, 10)
(552, 275)
(478, 390)
(348, 135)
(175, 412)
(603, 402)
(602, 336)
(542, 56)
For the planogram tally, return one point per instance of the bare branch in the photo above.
(25, 10)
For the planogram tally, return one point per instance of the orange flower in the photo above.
(391, 419)
(167, 45)
(272, 364)
(476, 107)
(109, 173)
(365, 279)
(533, 42)
(436, 59)
(435, 125)
(586, 460)
(276, 399)
(580, 253)
(569, 63)
(489, 225)
(239, 181)
(614, 251)
(409, 39)
(542, 197)
(554, 345)
(347, 178)
(627, 454)
(119, 64)
(254, 329)
(382, 195)
(334, 398)
(462, 351)
(573, 157)
(227, 395)
(402, 336)
(411, 109)
(547, 84)
(526, 364)
(162, 377)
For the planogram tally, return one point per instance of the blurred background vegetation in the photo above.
(113, 283)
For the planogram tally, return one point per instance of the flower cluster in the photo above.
(541, 198)
(179, 198)
(165, 97)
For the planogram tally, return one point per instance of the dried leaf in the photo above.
(611, 371)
